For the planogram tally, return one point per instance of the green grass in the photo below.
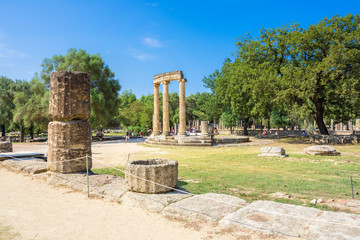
(239, 171)
(6, 233)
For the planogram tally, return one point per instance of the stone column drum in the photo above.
(156, 116)
(166, 123)
(69, 136)
(182, 107)
(204, 128)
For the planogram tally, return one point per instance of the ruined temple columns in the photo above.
(182, 107)
(156, 116)
(69, 134)
(166, 123)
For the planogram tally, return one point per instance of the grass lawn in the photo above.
(238, 171)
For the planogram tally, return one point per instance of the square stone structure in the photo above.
(69, 96)
(68, 141)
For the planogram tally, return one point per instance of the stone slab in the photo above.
(153, 202)
(295, 221)
(19, 155)
(209, 206)
(323, 150)
(29, 165)
(6, 147)
(108, 186)
(272, 152)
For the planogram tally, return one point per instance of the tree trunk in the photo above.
(268, 124)
(319, 118)
(246, 124)
(31, 132)
(21, 133)
(261, 124)
(3, 130)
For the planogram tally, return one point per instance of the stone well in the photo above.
(161, 171)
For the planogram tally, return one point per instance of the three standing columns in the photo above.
(182, 108)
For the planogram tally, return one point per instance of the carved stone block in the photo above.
(69, 96)
(68, 141)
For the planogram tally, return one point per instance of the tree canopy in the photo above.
(104, 87)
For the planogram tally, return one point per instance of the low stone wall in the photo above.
(334, 139)
(6, 147)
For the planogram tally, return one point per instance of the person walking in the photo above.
(127, 136)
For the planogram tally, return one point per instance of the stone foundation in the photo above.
(334, 139)
(161, 171)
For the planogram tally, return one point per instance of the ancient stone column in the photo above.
(204, 128)
(156, 116)
(166, 124)
(69, 135)
(182, 107)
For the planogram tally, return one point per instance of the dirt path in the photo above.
(38, 211)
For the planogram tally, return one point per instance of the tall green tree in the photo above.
(322, 77)
(104, 86)
(31, 105)
(6, 102)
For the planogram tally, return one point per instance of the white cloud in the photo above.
(140, 55)
(8, 53)
(152, 42)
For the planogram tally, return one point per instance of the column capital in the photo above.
(165, 82)
(182, 80)
(156, 85)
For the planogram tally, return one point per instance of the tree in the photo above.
(31, 105)
(6, 102)
(104, 86)
(322, 77)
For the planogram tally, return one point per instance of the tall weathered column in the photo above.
(69, 135)
(156, 116)
(182, 107)
(166, 124)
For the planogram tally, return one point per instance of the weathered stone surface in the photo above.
(321, 150)
(295, 221)
(209, 206)
(169, 76)
(160, 171)
(68, 141)
(153, 202)
(69, 96)
(29, 165)
(204, 128)
(272, 152)
(6, 147)
(108, 186)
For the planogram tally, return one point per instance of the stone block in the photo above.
(209, 206)
(6, 147)
(67, 141)
(324, 150)
(272, 152)
(69, 96)
(157, 172)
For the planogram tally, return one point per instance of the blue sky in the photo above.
(139, 39)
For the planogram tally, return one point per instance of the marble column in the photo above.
(182, 107)
(156, 116)
(166, 124)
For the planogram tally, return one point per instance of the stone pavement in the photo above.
(264, 216)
